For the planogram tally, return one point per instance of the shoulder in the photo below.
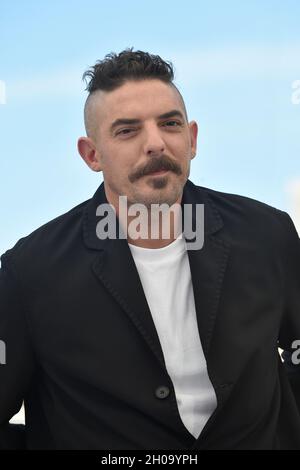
(240, 205)
(47, 238)
(244, 215)
(236, 202)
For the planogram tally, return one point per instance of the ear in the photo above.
(89, 153)
(193, 136)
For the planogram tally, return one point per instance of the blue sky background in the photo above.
(235, 63)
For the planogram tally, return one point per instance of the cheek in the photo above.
(117, 173)
(180, 146)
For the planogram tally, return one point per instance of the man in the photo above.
(133, 341)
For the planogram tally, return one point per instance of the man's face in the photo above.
(142, 142)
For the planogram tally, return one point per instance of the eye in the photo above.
(124, 131)
(172, 124)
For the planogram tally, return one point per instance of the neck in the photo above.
(150, 227)
(152, 242)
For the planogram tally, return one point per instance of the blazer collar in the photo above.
(191, 195)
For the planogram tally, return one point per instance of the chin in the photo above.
(158, 196)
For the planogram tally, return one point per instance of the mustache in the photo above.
(156, 164)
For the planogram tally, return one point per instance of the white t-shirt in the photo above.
(166, 279)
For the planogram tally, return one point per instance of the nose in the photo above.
(154, 144)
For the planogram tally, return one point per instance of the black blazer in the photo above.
(84, 355)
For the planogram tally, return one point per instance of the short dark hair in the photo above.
(115, 69)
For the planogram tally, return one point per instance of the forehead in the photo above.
(137, 99)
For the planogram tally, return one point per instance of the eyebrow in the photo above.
(122, 121)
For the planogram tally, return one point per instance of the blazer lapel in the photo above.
(115, 268)
(207, 269)
(208, 265)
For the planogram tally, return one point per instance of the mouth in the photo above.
(158, 173)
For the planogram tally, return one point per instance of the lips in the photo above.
(158, 172)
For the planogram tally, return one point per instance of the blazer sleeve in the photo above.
(16, 358)
(289, 338)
